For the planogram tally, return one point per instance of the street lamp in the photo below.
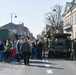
(12, 18)
(54, 9)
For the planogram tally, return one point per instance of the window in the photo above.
(60, 42)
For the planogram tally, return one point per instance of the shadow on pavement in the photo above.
(14, 62)
(41, 62)
(60, 59)
(40, 66)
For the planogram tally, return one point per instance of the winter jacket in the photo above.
(25, 47)
(8, 47)
(18, 47)
(1, 47)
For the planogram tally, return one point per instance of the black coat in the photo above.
(39, 47)
(1, 47)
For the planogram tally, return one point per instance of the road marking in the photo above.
(47, 61)
(47, 65)
(49, 71)
(43, 60)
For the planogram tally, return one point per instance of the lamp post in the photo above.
(12, 18)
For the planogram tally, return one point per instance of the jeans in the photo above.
(1, 55)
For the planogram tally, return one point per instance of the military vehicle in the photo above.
(60, 45)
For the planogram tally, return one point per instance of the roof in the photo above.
(9, 26)
(13, 26)
(69, 4)
(16, 28)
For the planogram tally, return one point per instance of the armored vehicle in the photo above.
(60, 44)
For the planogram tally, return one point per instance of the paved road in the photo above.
(40, 67)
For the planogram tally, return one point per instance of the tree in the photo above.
(11, 36)
(54, 17)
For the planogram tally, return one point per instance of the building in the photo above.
(69, 19)
(18, 29)
(38, 36)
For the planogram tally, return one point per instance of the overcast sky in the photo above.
(30, 12)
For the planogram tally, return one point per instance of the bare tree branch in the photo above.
(55, 16)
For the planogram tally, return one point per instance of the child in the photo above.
(12, 51)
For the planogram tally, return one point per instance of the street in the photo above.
(39, 67)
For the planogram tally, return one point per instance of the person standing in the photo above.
(26, 51)
(12, 51)
(39, 49)
(8, 46)
(1, 50)
(4, 51)
(18, 52)
(33, 50)
(44, 49)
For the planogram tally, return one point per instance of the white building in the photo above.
(69, 19)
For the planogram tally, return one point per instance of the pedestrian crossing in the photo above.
(49, 71)
(47, 65)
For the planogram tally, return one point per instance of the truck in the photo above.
(60, 45)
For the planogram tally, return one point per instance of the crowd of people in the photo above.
(21, 49)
